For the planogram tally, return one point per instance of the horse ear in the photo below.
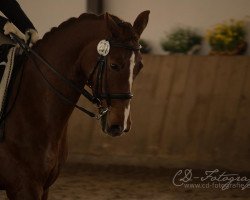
(112, 26)
(141, 22)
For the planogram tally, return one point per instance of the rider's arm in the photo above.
(6, 27)
(12, 10)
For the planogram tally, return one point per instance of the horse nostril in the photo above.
(126, 130)
(115, 130)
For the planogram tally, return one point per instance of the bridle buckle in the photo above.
(102, 112)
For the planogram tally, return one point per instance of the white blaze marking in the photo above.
(126, 114)
(131, 70)
(130, 80)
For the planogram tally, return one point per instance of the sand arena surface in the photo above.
(79, 181)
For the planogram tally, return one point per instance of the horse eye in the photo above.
(115, 67)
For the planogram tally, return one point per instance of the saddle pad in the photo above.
(6, 77)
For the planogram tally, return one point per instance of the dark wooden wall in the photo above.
(187, 111)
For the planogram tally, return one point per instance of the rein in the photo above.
(103, 49)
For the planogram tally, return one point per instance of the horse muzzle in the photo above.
(112, 130)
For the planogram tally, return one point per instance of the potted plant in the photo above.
(182, 41)
(228, 38)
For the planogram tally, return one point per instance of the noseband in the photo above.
(101, 90)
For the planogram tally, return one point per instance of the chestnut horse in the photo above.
(35, 146)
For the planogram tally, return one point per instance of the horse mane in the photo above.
(86, 16)
(71, 20)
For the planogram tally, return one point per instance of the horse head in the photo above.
(118, 63)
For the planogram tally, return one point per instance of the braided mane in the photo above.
(125, 26)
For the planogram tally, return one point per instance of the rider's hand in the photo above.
(11, 28)
(31, 36)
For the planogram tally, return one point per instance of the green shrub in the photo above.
(181, 40)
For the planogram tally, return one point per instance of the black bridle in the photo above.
(101, 91)
(100, 69)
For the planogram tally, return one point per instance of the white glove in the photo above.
(31, 35)
(11, 28)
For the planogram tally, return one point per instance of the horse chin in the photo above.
(111, 131)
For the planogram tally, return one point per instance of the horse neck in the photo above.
(61, 49)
